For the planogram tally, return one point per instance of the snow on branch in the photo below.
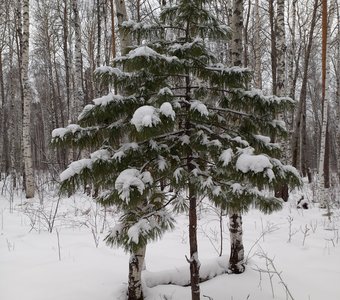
(75, 168)
(130, 179)
(61, 132)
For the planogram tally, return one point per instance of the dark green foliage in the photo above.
(184, 119)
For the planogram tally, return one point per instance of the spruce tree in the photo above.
(182, 119)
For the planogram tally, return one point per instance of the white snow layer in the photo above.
(131, 178)
(226, 157)
(148, 116)
(142, 51)
(141, 227)
(200, 107)
(167, 110)
(75, 168)
(105, 100)
(181, 276)
(255, 163)
(60, 132)
(145, 116)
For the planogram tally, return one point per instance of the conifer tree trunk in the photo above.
(323, 167)
(338, 87)
(236, 258)
(194, 262)
(26, 133)
(136, 265)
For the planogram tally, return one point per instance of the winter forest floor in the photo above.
(291, 254)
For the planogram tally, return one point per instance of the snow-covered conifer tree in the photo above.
(186, 120)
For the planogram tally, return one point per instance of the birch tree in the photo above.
(124, 37)
(236, 258)
(26, 96)
(78, 100)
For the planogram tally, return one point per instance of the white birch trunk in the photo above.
(136, 265)
(26, 133)
(236, 258)
(292, 52)
(257, 48)
(78, 100)
(237, 33)
(125, 39)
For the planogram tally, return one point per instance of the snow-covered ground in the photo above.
(34, 267)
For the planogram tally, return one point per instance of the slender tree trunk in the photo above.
(297, 152)
(236, 258)
(237, 28)
(246, 28)
(113, 32)
(273, 45)
(99, 32)
(66, 58)
(292, 53)
(26, 133)
(337, 72)
(136, 264)
(257, 48)
(282, 191)
(79, 93)
(194, 262)
(4, 121)
(125, 39)
(323, 168)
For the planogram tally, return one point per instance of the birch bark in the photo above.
(236, 258)
(78, 100)
(26, 130)
(257, 48)
(136, 265)
(125, 39)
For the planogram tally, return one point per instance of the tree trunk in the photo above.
(113, 32)
(79, 93)
(26, 134)
(323, 159)
(257, 48)
(136, 264)
(273, 45)
(236, 259)
(237, 28)
(194, 262)
(297, 153)
(282, 191)
(125, 39)
(66, 59)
